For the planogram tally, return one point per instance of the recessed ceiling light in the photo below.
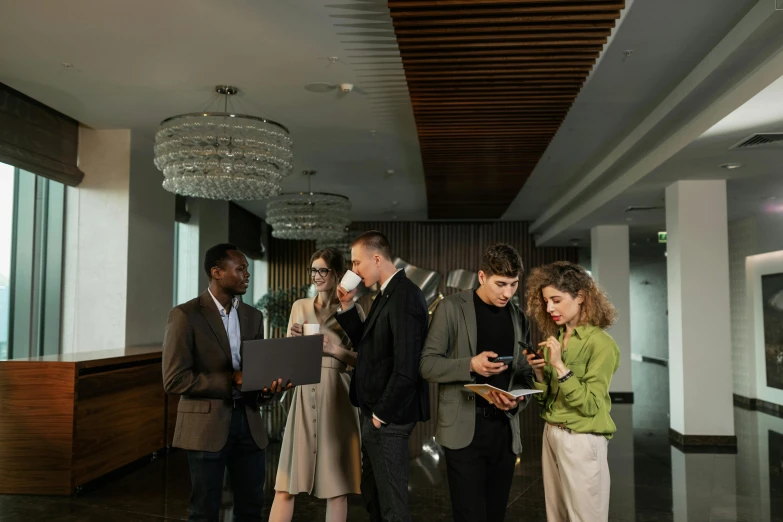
(390, 171)
(731, 166)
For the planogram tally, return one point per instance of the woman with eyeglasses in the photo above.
(321, 453)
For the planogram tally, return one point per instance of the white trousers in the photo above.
(576, 476)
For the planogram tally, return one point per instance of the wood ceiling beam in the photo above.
(534, 19)
(509, 11)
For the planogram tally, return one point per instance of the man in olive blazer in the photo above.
(218, 424)
(481, 439)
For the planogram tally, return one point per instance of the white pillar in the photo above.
(610, 266)
(700, 376)
(119, 246)
(96, 244)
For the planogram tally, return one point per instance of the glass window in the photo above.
(186, 262)
(31, 249)
(6, 244)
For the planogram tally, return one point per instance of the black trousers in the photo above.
(385, 470)
(480, 474)
(245, 463)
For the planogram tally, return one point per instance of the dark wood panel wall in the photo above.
(435, 246)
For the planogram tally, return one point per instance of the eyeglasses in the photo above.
(323, 272)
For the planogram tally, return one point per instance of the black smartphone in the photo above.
(508, 359)
(529, 350)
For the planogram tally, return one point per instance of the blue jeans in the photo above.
(245, 463)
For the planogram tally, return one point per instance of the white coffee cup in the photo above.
(311, 328)
(350, 281)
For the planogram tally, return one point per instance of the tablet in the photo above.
(294, 359)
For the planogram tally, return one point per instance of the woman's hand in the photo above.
(537, 362)
(555, 355)
(329, 347)
(296, 330)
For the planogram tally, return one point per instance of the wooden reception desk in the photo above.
(66, 420)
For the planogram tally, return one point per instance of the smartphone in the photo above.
(505, 359)
(529, 350)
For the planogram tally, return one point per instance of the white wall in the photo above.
(747, 237)
(150, 248)
(96, 244)
(212, 219)
(611, 269)
(649, 321)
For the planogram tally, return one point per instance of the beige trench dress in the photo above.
(321, 449)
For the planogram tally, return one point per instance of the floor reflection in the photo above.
(651, 480)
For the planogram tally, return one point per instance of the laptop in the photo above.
(294, 359)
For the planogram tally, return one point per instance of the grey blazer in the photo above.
(197, 365)
(450, 345)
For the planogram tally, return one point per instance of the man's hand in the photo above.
(277, 386)
(480, 364)
(376, 423)
(345, 297)
(502, 402)
(237, 378)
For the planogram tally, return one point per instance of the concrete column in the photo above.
(610, 266)
(119, 246)
(700, 371)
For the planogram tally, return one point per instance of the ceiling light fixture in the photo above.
(731, 166)
(309, 215)
(223, 155)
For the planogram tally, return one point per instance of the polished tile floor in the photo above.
(651, 481)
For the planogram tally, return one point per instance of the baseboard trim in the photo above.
(769, 408)
(703, 443)
(656, 360)
(621, 397)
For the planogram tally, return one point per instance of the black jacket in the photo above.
(389, 343)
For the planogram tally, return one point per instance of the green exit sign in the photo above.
(662, 237)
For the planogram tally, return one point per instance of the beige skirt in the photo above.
(321, 449)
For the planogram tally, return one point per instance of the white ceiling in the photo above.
(136, 63)
(750, 188)
(664, 138)
(668, 39)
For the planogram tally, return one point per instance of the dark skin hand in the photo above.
(277, 386)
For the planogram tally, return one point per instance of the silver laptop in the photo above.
(294, 359)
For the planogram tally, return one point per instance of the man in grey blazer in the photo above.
(218, 424)
(481, 438)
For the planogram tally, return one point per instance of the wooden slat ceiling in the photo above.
(491, 81)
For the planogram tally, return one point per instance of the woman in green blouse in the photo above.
(573, 370)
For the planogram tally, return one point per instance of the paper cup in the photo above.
(350, 281)
(311, 329)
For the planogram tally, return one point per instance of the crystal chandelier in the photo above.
(309, 215)
(220, 155)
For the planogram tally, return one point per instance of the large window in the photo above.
(6, 240)
(31, 251)
(186, 262)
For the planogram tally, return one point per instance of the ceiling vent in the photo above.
(642, 209)
(768, 139)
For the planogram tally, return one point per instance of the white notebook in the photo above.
(483, 390)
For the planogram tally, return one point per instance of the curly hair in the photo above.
(572, 279)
